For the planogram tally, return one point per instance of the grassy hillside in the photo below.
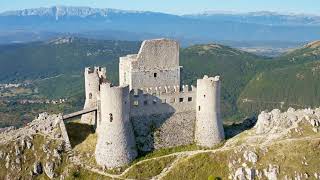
(296, 86)
(61, 56)
(291, 80)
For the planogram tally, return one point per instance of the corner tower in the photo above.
(116, 144)
(93, 77)
(209, 128)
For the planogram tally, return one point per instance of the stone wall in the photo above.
(164, 130)
(156, 64)
(163, 117)
(165, 100)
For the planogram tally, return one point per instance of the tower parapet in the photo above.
(209, 128)
(116, 144)
(93, 77)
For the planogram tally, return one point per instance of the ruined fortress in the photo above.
(150, 109)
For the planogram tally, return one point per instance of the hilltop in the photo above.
(280, 145)
(291, 80)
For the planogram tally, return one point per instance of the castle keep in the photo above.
(150, 109)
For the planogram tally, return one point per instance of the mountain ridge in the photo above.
(89, 21)
(59, 11)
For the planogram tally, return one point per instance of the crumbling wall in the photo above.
(156, 64)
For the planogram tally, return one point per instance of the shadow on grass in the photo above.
(237, 128)
(78, 132)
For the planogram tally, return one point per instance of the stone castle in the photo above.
(150, 109)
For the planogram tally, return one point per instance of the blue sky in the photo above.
(177, 6)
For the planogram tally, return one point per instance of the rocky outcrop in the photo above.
(36, 148)
(278, 122)
(243, 173)
(49, 169)
(250, 156)
(37, 168)
(45, 124)
(271, 172)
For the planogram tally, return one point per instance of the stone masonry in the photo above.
(150, 109)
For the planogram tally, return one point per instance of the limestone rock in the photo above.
(17, 150)
(18, 160)
(250, 156)
(49, 170)
(243, 173)
(271, 172)
(277, 122)
(2, 154)
(7, 164)
(37, 168)
(29, 144)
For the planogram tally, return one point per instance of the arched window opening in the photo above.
(90, 95)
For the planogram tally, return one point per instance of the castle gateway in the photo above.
(150, 109)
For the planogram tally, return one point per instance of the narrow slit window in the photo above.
(111, 117)
(90, 96)
(155, 75)
(189, 99)
(199, 108)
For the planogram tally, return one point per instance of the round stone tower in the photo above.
(209, 128)
(93, 77)
(116, 144)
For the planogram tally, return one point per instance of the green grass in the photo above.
(78, 173)
(290, 155)
(167, 151)
(149, 169)
(201, 167)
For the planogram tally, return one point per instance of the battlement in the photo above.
(156, 91)
(209, 80)
(98, 69)
(162, 100)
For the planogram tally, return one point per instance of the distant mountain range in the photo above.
(137, 25)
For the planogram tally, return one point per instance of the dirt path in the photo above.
(182, 155)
